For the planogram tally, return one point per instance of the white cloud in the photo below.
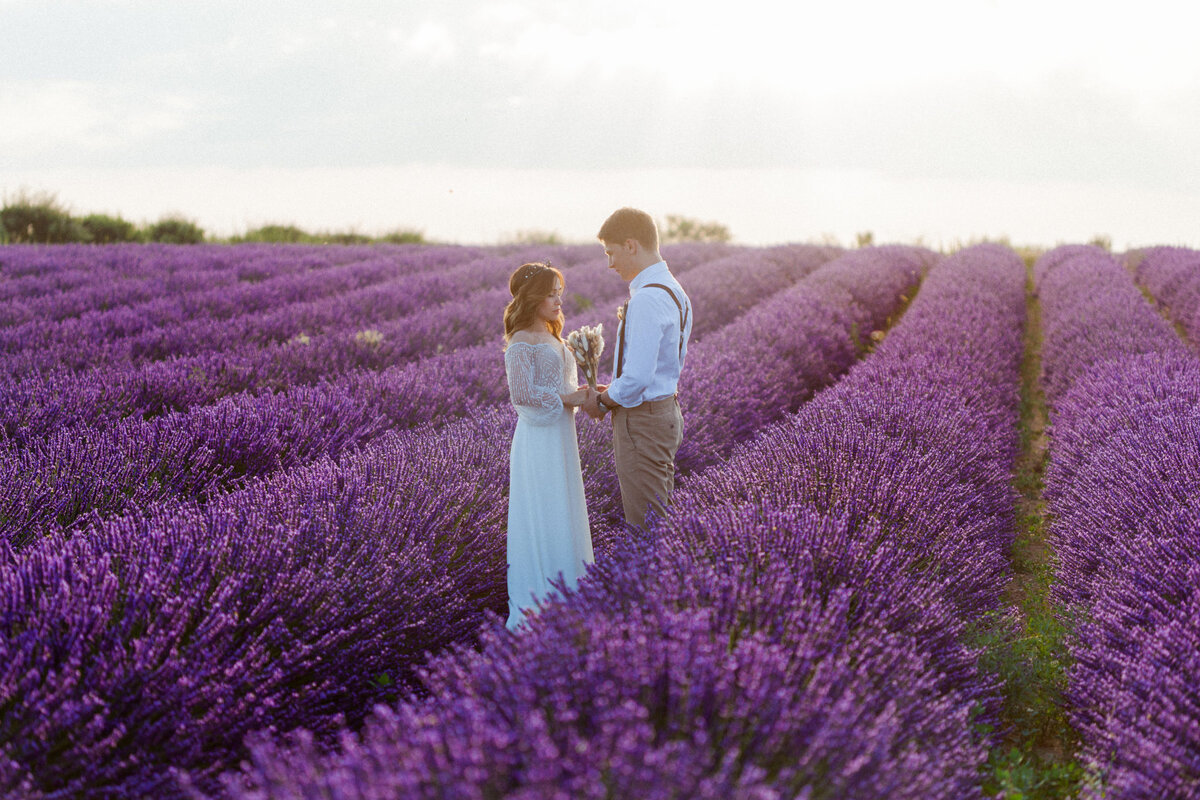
(52, 115)
(430, 41)
(1002, 92)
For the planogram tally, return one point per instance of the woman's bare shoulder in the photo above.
(531, 337)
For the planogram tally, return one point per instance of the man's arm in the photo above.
(643, 336)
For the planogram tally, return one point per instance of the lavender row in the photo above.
(113, 277)
(1123, 486)
(261, 280)
(56, 283)
(66, 282)
(38, 274)
(1172, 276)
(74, 474)
(290, 603)
(768, 362)
(264, 313)
(361, 330)
(39, 406)
(792, 629)
(309, 595)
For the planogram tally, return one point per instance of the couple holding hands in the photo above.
(548, 532)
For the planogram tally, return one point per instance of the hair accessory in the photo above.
(528, 271)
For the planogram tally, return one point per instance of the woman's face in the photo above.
(549, 308)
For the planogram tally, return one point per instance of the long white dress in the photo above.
(548, 533)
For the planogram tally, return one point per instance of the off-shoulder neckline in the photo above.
(537, 344)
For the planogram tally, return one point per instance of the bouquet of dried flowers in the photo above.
(587, 344)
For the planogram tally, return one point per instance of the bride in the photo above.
(548, 533)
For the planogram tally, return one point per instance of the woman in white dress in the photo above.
(548, 533)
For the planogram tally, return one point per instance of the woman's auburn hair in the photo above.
(530, 284)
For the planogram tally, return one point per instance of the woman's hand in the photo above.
(576, 398)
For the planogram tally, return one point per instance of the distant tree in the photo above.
(343, 237)
(1103, 241)
(532, 236)
(685, 229)
(103, 229)
(39, 219)
(275, 234)
(864, 239)
(175, 230)
(403, 236)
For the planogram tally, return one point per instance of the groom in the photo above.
(652, 338)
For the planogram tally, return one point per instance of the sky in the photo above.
(477, 122)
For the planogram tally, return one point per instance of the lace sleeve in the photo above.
(529, 386)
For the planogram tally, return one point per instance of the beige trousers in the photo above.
(645, 440)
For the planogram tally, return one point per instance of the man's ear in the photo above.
(632, 246)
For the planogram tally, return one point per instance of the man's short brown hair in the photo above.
(630, 223)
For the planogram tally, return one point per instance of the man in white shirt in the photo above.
(651, 347)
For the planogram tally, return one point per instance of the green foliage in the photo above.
(175, 230)
(291, 234)
(864, 239)
(343, 237)
(685, 229)
(39, 219)
(1016, 776)
(533, 236)
(1029, 655)
(1103, 241)
(275, 234)
(403, 236)
(103, 229)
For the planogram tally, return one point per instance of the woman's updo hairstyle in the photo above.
(529, 285)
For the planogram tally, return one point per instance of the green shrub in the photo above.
(103, 229)
(39, 219)
(175, 230)
(403, 236)
(343, 237)
(532, 236)
(685, 229)
(275, 234)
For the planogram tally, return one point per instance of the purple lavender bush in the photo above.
(1172, 276)
(1123, 485)
(301, 599)
(160, 640)
(356, 338)
(192, 319)
(100, 470)
(784, 633)
(795, 341)
(744, 655)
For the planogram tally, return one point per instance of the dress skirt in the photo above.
(548, 532)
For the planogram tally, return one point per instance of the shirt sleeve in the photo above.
(645, 326)
(535, 399)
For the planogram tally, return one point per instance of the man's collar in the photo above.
(647, 275)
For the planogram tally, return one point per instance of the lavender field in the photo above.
(936, 533)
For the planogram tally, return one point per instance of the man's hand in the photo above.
(591, 405)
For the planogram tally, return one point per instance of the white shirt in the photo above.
(653, 361)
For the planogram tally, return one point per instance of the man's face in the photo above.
(620, 258)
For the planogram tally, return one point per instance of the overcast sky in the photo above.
(1043, 121)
